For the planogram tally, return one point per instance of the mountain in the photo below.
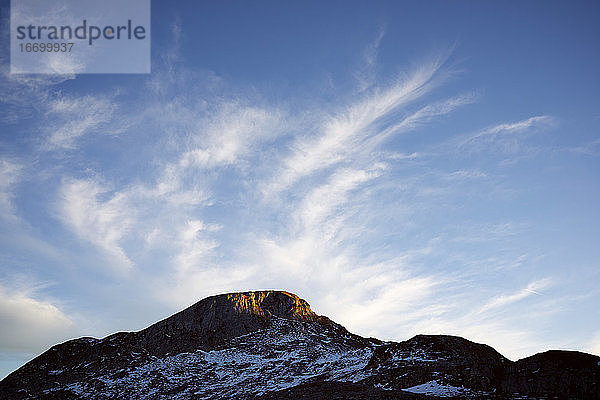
(271, 345)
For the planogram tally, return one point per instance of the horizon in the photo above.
(406, 169)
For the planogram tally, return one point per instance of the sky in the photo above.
(406, 167)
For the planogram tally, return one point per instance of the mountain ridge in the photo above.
(270, 344)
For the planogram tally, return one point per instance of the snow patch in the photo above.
(437, 389)
(56, 372)
(288, 354)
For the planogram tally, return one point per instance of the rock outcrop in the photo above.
(216, 319)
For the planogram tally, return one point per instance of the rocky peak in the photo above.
(266, 304)
(216, 319)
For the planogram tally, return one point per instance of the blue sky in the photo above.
(406, 167)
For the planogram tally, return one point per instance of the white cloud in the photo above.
(591, 148)
(75, 117)
(385, 301)
(514, 334)
(231, 133)
(466, 174)
(9, 175)
(319, 205)
(542, 120)
(203, 281)
(365, 74)
(506, 299)
(329, 213)
(594, 344)
(505, 137)
(22, 93)
(112, 217)
(357, 128)
(193, 246)
(369, 298)
(34, 324)
(176, 187)
(57, 63)
(317, 253)
(103, 223)
(422, 116)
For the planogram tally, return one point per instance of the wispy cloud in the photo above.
(23, 95)
(505, 137)
(356, 128)
(118, 221)
(193, 246)
(103, 223)
(9, 175)
(320, 206)
(515, 127)
(421, 117)
(75, 117)
(366, 71)
(591, 148)
(232, 132)
(504, 300)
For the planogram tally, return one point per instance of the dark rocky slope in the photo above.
(271, 345)
(565, 373)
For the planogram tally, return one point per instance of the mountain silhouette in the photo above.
(271, 345)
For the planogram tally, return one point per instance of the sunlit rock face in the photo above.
(216, 319)
(271, 345)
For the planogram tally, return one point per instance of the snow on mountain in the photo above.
(271, 345)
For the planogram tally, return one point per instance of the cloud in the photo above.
(315, 211)
(422, 116)
(115, 218)
(463, 174)
(386, 304)
(111, 217)
(356, 128)
(231, 133)
(320, 253)
(591, 148)
(103, 223)
(515, 127)
(505, 137)
(193, 246)
(55, 63)
(508, 299)
(140, 229)
(34, 324)
(365, 73)
(9, 174)
(366, 296)
(594, 344)
(74, 117)
(328, 210)
(24, 95)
